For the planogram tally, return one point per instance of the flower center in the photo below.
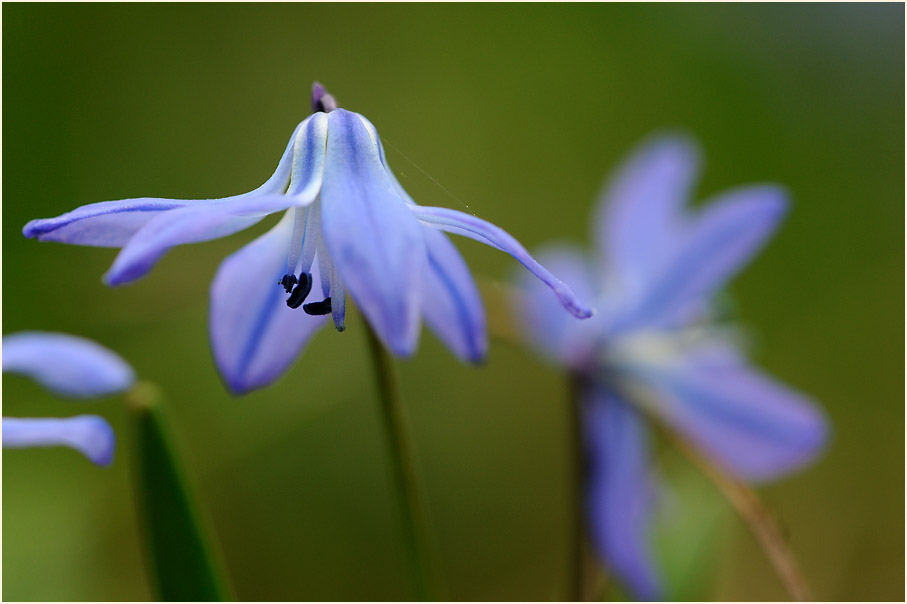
(300, 287)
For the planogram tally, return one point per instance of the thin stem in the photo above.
(756, 516)
(577, 512)
(406, 483)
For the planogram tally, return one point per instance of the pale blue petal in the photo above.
(203, 223)
(66, 365)
(374, 241)
(641, 208)
(89, 434)
(255, 336)
(751, 424)
(717, 243)
(487, 233)
(620, 490)
(452, 306)
(103, 224)
(554, 333)
(191, 225)
(113, 223)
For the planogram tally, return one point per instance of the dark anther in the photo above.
(288, 281)
(302, 290)
(318, 308)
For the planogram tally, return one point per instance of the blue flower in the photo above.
(73, 368)
(656, 346)
(347, 225)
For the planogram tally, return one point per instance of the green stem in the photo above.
(181, 560)
(403, 466)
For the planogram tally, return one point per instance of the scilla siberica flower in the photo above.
(348, 225)
(652, 346)
(71, 367)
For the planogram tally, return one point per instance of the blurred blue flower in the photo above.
(654, 345)
(347, 225)
(71, 367)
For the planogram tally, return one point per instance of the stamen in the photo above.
(300, 220)
(302, 290)
(288, 281)
(318, 308)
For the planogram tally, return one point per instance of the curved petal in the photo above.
(753, 425)
(202, 223)
(113, 223)
(489, 234)
(255, 336)
(190, 225)
(66, 365)
(640, 211)
(620, 490)
(89, 434)
(103, 224)
(374, 241)
(554, 333)
(718, 243)
(452, 306)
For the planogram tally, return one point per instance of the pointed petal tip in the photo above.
(238, 385)
(235, 387)
(572, 304)
(103, 455)
(402, 349)
(401, 344)
(478, 358)
(30, 229)
(37, 228)
(113, 278)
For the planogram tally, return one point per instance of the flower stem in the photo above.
(755, 515)
(577, 512)
(406, 485)
(182, 561)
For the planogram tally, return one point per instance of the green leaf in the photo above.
(181, 560)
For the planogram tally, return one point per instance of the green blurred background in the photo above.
(518, 111)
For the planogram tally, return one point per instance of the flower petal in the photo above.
(554, 333)
(255, 336)
(620, 490)
(753, 425)
(203, 223)
(373, 239)
(640, 210)
(190, 225)
(66, 365)
(718, 243)
(452, 306)
(103, 224)
(113, 223)
(489, 234)
(89, 434)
